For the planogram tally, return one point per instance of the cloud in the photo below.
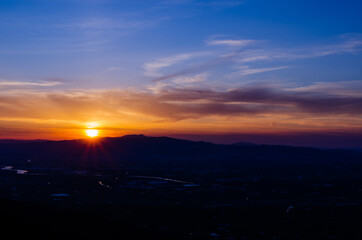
(177, 103)
(254, 58)
(241, 54)
(205, 65)
(152, 68)
(249, 71)
(191, 79)
(95, 25)
(259, 100)
(232, 43)
(9, 84)
(350, 45)
(346, 88)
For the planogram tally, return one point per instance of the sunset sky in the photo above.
(181, 68)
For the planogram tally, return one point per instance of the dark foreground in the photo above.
(25, 220)
(137, 188)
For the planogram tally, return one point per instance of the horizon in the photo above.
(310, 140)
(214, 70)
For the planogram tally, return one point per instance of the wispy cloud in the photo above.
(353, 45)
(178, 103)
(262, 99)
(241, 51)
(7, 83)
(152, 68)
(249, 71)
(231, 42)
(200, 66)
(341, 88)
(142, 15)
(97, 25)
(191, 79)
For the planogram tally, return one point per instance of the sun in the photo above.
(92, 132)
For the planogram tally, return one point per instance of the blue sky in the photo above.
(108, 43)
(287, 53)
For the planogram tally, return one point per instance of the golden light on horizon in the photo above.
(92, 132)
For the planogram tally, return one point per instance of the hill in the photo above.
(136, 186)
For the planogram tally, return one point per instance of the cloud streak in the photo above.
(179, 103)
(172, 109)
(352, 45)
(254, 100)
(9, 84)
(241, 52)
(231, 42)
(249, 71)
(152, 68)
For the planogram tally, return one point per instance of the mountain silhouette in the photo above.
(140, 149)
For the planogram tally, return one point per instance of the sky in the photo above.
(255, 70)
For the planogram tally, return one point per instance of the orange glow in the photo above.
(113, 113)
(92, 132)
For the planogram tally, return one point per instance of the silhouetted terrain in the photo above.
(136, 187)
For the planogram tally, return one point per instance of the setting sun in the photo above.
(92, 132)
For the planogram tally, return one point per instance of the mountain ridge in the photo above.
(141, 149)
